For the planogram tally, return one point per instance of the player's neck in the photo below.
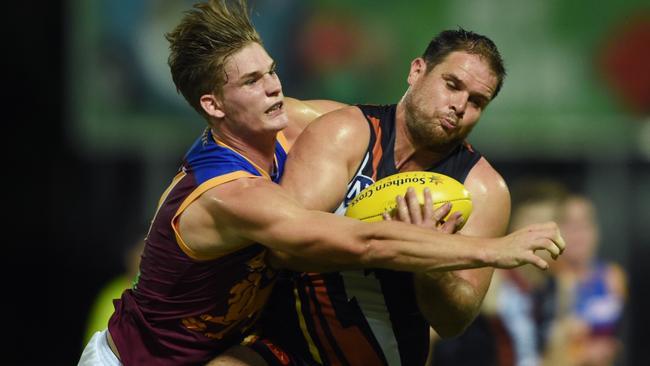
(409, 159)
(408, 156)
(258, 148)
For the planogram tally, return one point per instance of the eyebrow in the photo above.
(256, 73)
(482, 97)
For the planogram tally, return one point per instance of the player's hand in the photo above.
(519, 247)
(410, 211)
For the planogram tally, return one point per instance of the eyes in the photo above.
(477, 102)
(254, 78)
(452, 85)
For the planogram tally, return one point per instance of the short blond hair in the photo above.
(201, 43)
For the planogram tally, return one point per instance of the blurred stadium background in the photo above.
(108, 129)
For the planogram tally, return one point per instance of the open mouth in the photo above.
(275, 107)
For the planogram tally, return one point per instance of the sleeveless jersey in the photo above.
(364, 317)
(185, 308)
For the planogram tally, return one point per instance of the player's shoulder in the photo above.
(345, 113)
(345, 125)
(302, 113)
(211, 164)
(490, 198)
(483, 178)
(239, 186)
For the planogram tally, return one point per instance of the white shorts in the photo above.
(98, 352)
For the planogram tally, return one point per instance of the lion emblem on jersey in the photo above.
(247, 298)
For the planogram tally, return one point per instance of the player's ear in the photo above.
(212, 105)
(418, 68)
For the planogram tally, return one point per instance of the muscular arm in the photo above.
(451, 300)
(249, 210)
(317, 172)
(303, 112)
(325, 157)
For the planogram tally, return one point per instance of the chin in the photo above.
(278, 123)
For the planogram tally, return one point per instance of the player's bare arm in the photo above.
(303, 112)
(317, 172)
(325, 156)
(458, 295)
(249, 210)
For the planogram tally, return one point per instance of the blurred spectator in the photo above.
(524, 299)
(594, 293)
(102, 307)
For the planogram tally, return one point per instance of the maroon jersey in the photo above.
(184, 309)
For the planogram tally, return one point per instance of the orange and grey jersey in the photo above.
(362, 317)
(184, 307)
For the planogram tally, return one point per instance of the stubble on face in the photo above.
(425, 130)
(444, 104)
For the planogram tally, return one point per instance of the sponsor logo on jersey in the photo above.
(359, 183)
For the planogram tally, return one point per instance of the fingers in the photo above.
(551, 232)
(548, 245)
(537, 262)
(402, 210)
(409, 210)
(559, 241)
(414, 208)
(459, 219)
(428, 206)
(452, 224)
(441, 212)
(386, 216)
(557, 244)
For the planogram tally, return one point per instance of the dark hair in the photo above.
(449, 41)
(200, 44)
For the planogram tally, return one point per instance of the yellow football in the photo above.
(372, 202)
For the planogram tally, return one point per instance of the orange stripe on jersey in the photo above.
(351, 341)
(286, 145)
(320, 332)
(377, 150)
(280, 138)
(193, 196)
(313, 349)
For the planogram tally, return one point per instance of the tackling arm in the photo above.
(250, 210)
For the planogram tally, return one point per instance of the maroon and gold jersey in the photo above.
(361, 317)
(185, 308)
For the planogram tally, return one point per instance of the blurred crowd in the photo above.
(568, 315)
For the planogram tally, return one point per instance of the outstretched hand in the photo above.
(519, 247)
(410, 211)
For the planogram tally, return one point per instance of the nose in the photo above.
(272, 84)
(459, 103)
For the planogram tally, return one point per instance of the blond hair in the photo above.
(201, 43)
